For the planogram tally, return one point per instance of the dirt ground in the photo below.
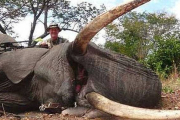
(170, 101)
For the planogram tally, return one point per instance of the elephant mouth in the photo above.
(81, 78)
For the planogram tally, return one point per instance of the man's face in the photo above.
(54, 33)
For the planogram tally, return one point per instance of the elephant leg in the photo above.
(85, 112)
(15, 103)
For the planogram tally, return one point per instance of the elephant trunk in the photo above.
(125, 111)
(91, 29)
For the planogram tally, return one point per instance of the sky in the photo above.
(170, 6)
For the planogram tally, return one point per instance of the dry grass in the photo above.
(171, 84)
(171, 92)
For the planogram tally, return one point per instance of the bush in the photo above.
(165, 59)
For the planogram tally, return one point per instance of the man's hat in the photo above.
(53, 26)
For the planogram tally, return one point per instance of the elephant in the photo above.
(112, 84)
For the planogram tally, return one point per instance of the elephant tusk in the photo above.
(125, 111)
(90, 30)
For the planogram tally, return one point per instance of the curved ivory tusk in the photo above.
(91, 29)
(125, 111)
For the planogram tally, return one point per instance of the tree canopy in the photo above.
(152, 38)
(136, 33)
(166, 57)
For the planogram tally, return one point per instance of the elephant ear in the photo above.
(18, 64)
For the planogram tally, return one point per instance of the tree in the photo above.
(136, 33)
(151, 38)
(131, 33)
(11, 11)
(75, 17)
(166, 57)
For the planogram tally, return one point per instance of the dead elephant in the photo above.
(33, 77)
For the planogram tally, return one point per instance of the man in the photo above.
(53, 30)
(54, 40)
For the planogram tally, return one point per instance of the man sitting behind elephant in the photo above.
(53, 30)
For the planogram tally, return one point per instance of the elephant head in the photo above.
(115, 81)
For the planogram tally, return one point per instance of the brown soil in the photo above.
(171, 101)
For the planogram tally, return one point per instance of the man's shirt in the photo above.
(52, 43)
(48, 43)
